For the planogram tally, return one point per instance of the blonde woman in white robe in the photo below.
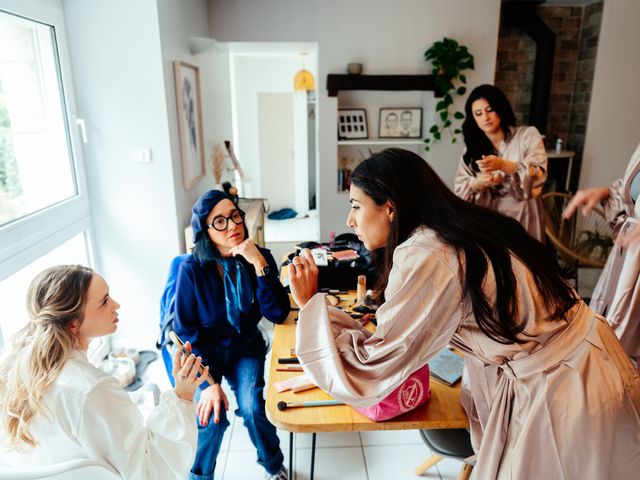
(556, 397)
(56, 407)
(617, 293)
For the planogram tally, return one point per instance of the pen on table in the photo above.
(290, 368)
(288, 360)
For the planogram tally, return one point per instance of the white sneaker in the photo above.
(280, 475)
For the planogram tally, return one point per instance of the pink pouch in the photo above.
(412, 393)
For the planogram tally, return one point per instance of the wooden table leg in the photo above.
(430, 462)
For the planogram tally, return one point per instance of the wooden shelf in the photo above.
(383, 141)
(336, 82)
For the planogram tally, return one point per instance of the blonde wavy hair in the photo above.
(56, 298)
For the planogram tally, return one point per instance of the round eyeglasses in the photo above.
(221, 222)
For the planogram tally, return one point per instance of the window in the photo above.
(36, 165)
(44, 208)
(43, 196)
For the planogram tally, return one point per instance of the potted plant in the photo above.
(449, 60)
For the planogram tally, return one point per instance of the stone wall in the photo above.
(577, 29)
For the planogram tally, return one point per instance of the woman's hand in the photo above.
(249, 250)
(486, 180)
(303, 278)
(493, 163)
(589, 198)
(212, 399)
(185, 373)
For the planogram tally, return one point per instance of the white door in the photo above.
(277, 167)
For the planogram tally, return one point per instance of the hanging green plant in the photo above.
(449, 60)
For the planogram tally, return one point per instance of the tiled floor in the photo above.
(339, 456)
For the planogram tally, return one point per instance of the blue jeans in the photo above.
(246, 378)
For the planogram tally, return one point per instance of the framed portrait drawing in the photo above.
(352, 123)
(400, 123)
(189, 122)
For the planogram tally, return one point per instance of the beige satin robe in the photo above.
(563, 405)
(519, 195)
(617, 293)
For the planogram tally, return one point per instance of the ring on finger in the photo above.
(183, 377)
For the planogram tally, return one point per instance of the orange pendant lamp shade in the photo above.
(303, 81)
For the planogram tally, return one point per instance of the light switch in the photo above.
(142, 155)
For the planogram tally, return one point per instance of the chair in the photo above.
(452, 443)
(69, 470)
(581, 241)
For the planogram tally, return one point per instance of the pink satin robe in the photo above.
(563, 405)
(519, 195)
(617, 293)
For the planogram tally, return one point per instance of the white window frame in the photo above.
(26, 239)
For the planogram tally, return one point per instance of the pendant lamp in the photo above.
(303, 81)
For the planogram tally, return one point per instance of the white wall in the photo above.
(387, 37)
(179, 20)
(121, 55)
(613, 129)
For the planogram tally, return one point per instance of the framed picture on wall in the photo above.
(400, 123)
(189, 122)
(352, 123)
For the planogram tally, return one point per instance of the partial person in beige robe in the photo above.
(552, 394)
(503, 167)
(617, 293)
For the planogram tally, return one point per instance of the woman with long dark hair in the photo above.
(503, 167)
(554, 385)
(223, 289)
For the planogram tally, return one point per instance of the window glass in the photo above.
(36, 164)
(13, 290)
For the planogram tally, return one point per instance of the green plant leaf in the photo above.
(463, 78)
(461, 91)
(457, 131)
(458, 115)
(447, 123)
(437, 135)
(433, 129)
(427, 149)
(441, 105)
(454, 140)
(444, 115)
(427, 140)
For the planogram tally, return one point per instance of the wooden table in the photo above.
(443, 410)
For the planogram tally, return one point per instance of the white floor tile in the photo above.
(391, 437)
(331, 464)
(242, 466)
(397, 462)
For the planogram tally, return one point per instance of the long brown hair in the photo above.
(56, 298)
(479, 235)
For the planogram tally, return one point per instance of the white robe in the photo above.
(92, 417)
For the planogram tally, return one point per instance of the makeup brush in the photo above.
(318, 403)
